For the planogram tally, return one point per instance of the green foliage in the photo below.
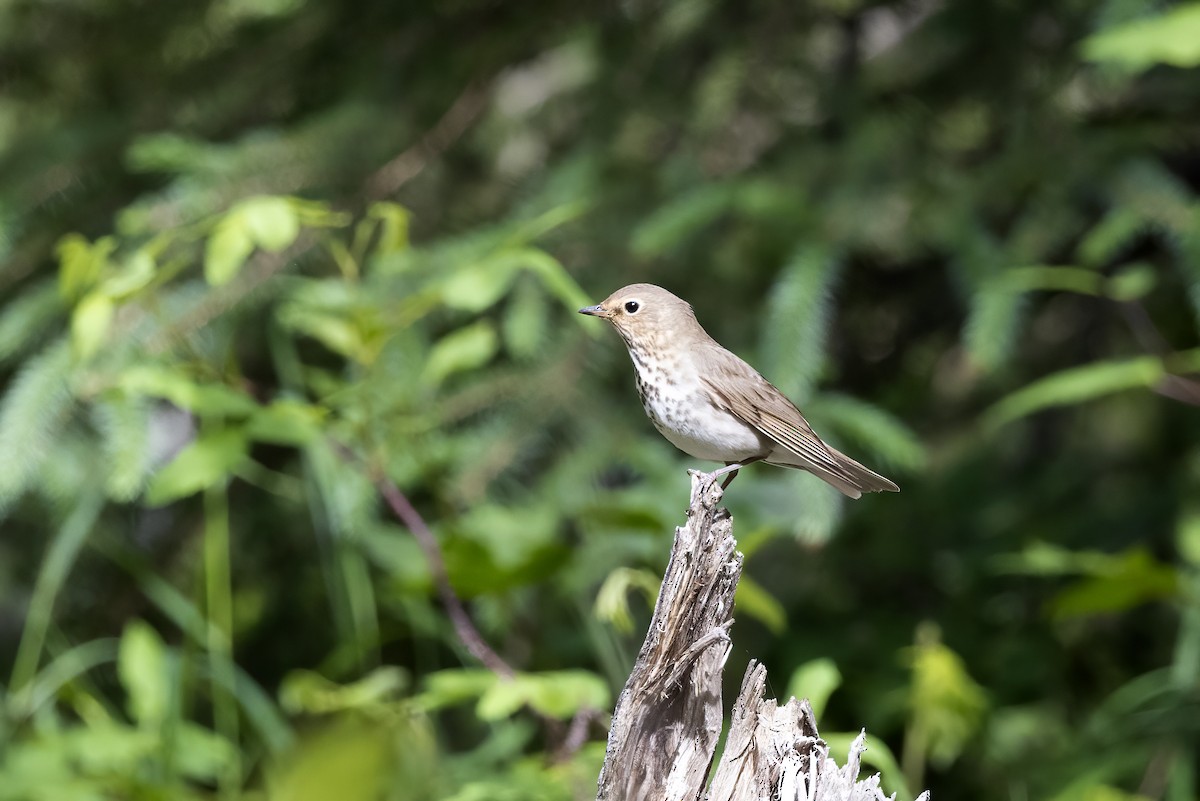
(249, 271)
(1171, 38)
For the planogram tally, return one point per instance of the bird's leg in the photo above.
(732, 469)
(732, 474)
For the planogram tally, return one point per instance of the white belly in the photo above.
(679, 409)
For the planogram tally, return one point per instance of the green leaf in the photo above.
(285, 422)
(393, 236)
(478, 286)
(81, 263)
(454, 686)
(90, 323)
(1116, 231)
(797, 319)
(142, 667)
(555, 278)
(227, 249)
(270, 222)
(464, 349)
(209, 459)
(557, 694)
(1171, 38)
(27, 317)
(759, 604)
(137, 273)
(306, 692)
(1076, 385)
(214, 400)
(945, 703)
(871, 427)
(992, 323)
(679, 220)
(612, 599)
(525, 323)
(815, 680)
(1128, 580)
(1187, 535)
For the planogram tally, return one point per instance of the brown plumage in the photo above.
(712, 405)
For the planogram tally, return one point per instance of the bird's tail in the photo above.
(844, 474)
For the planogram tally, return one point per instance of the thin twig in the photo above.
(445, 132)
(470, 636)
(1175, 387)
(404, 511)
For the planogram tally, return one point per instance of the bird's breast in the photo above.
(682, 410)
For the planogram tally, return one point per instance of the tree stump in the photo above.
(669, 716)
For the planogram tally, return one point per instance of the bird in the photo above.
(712, 405)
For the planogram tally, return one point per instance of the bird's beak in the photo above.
(595, 311)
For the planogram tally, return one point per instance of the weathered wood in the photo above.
(669, 716)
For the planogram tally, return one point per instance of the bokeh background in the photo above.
(259, 258)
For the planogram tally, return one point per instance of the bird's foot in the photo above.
(706, 480)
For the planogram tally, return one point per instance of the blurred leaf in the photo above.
(142, 666)
(1076, 385)
(227, 249)
(464, 349)
(270, 222)
(285, 422)
(454, 686)
(90, 322)
(135, 275)
(1170, 38)
(1132, 282)
(347, 760)
(755, 601)
(815, 680)
(1129, 580)
(210, 458)
(525, 323)
(797, 319)
(32, 414)
(478, 286)
(305, 692)
(945, 704)
(1115, 232)
(180, 389)
(26, 317)
(870, 427)
(678, 220)
(81, 263)
(393, 236)
(558, 694)
(992, 323)
(612, 599)
(1187, 535)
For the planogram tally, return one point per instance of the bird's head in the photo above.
(642, 312)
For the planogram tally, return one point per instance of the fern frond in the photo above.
(26, 318)
(32, 414)
(991, 327)
(798, 313)
(123, 422)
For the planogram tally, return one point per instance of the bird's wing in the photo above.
(758, 403)
(742, 391)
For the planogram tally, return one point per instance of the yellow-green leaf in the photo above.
(271, 222)
(90, 323)
(227, 250)
(207, 460)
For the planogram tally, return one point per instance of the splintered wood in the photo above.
(669, 716)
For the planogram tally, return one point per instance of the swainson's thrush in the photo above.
(712, 405)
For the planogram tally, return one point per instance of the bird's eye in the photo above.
(632, 306)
